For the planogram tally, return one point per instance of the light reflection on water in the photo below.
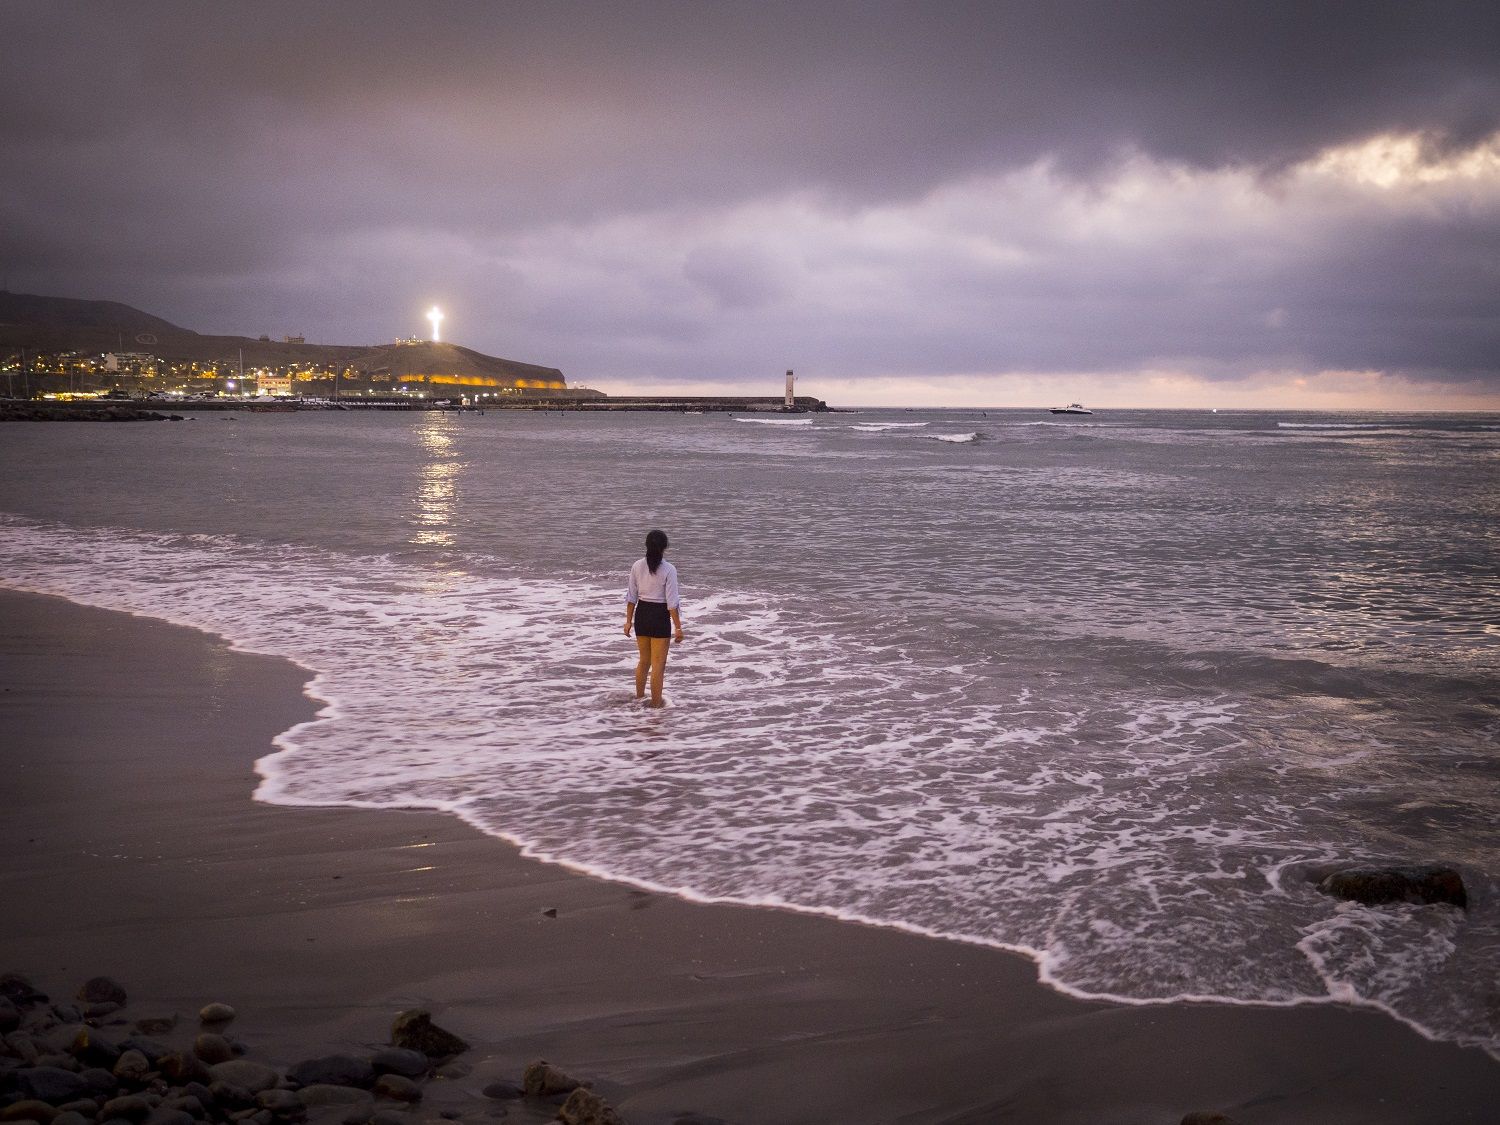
(436, 497)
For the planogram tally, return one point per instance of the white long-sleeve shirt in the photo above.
(647, 587)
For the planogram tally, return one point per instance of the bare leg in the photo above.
(643, 646)
(659, 647)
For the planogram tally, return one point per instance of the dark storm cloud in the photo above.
(326, 167)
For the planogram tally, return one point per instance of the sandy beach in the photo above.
(132, 847)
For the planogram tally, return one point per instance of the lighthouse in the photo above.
(790, 401)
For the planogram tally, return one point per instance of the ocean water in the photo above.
(1099, 690)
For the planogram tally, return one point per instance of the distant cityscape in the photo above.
(143, 374)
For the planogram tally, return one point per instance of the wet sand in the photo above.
(129, 846)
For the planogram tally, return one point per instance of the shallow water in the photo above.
(1096, 689)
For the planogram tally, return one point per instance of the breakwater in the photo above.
(682, 404)
(86, 409)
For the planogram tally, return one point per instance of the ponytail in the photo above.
(656, 543)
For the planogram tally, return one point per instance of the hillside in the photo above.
(59, 324)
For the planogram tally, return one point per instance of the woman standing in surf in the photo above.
(651, 605)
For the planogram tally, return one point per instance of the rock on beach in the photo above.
(1379, 886)
(50, 1084)
(247, 1075)
(542, 1080)
(584, 1107)
(102, 990)
(415, 1031)
(402, 1061)
(334, 1070)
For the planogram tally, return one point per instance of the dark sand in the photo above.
(131, 847)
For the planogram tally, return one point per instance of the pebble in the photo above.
(29, 1109)
(156, 1025)
(131, 1107)
(22, 1046)
(95, 1047)
(98, 1082)
(251, 1076)
(73, 1117)
(102, 990)
(399, 1060)
(503, 1091)
(10, 1015)
(281, 1102)
(188, 1104)
(333, 1070)
(132, 1067)
(49, 1084)
(216, 1013)
(86, 1106)
(170, 1117)
(20, 991)
(212, 1048)
(183, 1066)
(398, 1088)
(229, 1093)
(97, 1011)
(153, 1049)
(67, 1013)
(332, 1095)
(390, 1117)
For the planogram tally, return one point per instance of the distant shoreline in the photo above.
(99, 409)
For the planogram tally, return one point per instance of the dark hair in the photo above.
(656, 543)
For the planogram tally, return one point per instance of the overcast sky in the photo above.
(1200, 203)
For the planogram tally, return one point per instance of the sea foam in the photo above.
(1133, 843)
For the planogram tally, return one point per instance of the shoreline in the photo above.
(136, 852)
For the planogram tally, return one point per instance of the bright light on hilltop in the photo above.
(435, 315)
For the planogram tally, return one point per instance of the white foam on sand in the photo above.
(806, 763)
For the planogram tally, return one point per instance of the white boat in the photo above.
(1072, 408)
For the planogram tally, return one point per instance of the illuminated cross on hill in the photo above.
(436, 316)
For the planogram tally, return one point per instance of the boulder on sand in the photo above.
(1377, 886)
(415, 1031)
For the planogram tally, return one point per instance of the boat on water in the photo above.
(1072, 408)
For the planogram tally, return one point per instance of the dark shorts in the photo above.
(652, 620)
